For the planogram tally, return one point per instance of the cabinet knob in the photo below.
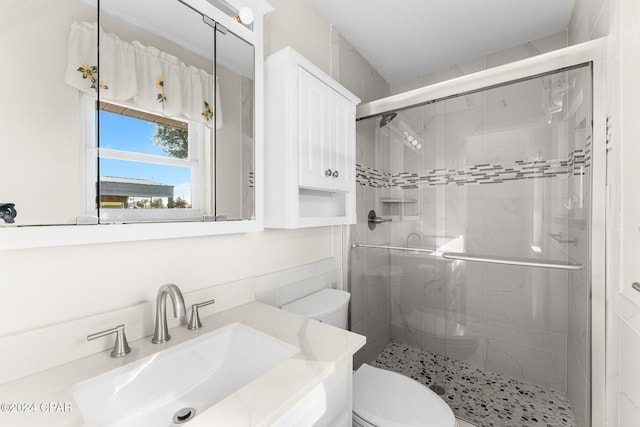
(335, 174)
(328, 172)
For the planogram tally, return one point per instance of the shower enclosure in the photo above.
(487, 282)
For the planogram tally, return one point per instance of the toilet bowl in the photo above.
(381, 398)
(438, 333)
(389, 399)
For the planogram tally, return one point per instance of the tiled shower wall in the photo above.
(368, 269)
(371, 274)
(506, 319)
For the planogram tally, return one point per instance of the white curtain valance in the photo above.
(139, 75)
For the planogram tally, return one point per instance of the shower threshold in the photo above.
(481, 397)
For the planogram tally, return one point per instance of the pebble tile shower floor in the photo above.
(484, 398)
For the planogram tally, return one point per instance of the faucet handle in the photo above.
(120, 346)
(195, 322)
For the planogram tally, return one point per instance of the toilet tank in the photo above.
(328, 305)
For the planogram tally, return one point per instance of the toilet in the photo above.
(381, 398)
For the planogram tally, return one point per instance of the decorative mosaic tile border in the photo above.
(484, 398)
(574, 164)
(372, 177)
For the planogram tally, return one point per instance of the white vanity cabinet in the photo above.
(309, 145)
(328, 404)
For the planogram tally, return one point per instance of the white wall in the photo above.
(354, 72)
(40, 134)
(515, 53)
(619, 20)
(52, 298)
(230, 182)
(53, 285)
(297, 23)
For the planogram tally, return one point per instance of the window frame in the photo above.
(49, 236)
(199, 162)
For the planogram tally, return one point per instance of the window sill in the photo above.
(14, 237)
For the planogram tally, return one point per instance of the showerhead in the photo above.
(386, 119)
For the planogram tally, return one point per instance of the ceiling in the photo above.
(403, 39)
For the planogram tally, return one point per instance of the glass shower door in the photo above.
(484, 268)
(516, 167)
(419, 295)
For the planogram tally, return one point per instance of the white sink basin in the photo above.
(195, 374)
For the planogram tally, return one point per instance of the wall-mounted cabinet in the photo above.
(309, 145)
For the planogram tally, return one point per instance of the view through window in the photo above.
(146, 162)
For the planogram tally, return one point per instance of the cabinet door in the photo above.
(343, 142)
(314, 132)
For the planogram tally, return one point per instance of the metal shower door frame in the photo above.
(590, 53)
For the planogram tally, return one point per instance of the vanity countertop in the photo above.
(47, 400)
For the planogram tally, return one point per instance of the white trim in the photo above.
(204, 7)
(132, 156)
(128, 216)
(14, 237)
(292, 56)
(52, 236)
(526, 68)
(259, 5)
(258, 123)
(196, 145)
(89, 155)
(193, 163)
(135, 216)
(598, 243)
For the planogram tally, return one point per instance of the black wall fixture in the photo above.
(8, 212)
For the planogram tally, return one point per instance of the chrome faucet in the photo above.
(161, 332)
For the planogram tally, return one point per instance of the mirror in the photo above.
(164, 117)
(235, 196)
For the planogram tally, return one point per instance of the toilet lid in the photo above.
(387, 399)
(320, 304)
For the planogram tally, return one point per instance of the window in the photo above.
(150, 167)
(157, 118)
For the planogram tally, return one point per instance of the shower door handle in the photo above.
(374, 219)
(378, 220)
(558, 238)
